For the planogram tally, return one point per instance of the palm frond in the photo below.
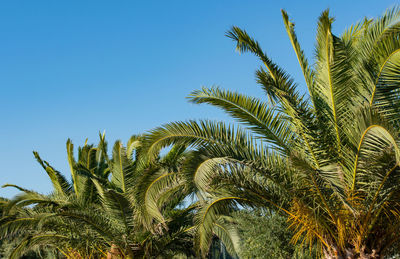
(268, 122)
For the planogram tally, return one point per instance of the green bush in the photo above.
(265, 234)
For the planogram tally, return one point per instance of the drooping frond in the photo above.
(276, 83)
(225, 230)
(207, 218)
(194, 133)
(31, 241)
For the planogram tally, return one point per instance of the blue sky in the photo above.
(69, 69)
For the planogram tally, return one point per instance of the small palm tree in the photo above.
(110, 206)
(42, 225)
(328, 160)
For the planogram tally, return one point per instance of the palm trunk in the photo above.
(349, 253)
(114, 253)
(129, 253)
(74, 255)
(372, 255)
(333, 253)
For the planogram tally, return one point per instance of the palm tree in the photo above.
(327, 160)
(45, 223)
(109, 206)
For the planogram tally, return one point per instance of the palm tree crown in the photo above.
(328, 160)
(111, 202)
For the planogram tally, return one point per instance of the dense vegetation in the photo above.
(266, 233)
(325, 163)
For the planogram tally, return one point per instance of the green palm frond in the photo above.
(276, 83)
(121, 167)
(118, 207)
(226, 231)
(31, 241)
(207, 218)
(194, 133)
(268, 122)
(134, 144)
(60, 184)
(72, 164)
(308, 73)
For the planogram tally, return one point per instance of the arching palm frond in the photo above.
(269, 123)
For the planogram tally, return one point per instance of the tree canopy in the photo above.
(326, 163)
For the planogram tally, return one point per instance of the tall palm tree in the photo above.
(328, 160)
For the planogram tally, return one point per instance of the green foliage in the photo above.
(328, 161)
(7, 246)
(124, 202)
(110, 201)
(267, 233)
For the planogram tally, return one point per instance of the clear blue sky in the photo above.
(69, 69)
